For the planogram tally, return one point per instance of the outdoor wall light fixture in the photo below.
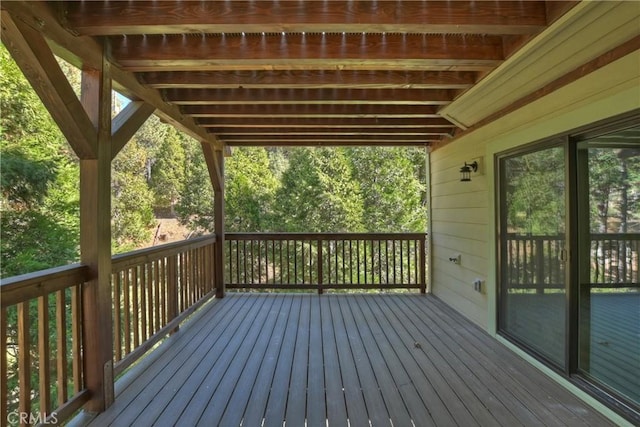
(465, 171)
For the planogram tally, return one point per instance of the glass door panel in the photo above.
(533, 236)
(609, 276)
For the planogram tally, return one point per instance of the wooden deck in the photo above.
(298, 359)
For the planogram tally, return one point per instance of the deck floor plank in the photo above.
(226, 388)
(268, 397)
(441, 400)
(517, 379)
(205, 360)
(337, 360)
(334, 387)
(413, 400)
(398, 411)
(407, 349)
(374, 400)
(445, 372)
(297, 398)
(137, 388)
(353, 393)
(259, 365)
(316, 403)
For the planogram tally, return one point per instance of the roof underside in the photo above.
(297, 72)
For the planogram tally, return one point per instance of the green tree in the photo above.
(391, 189)
(195, 208)
(168, 172)
(131, 199)
(39, 226)
(535, 192)
(250, 188)
(318, 193)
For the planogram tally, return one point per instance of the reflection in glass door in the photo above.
(533, 254)
(609, 248)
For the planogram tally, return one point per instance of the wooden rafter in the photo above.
(308, 96)
(320, 123)
(310, 79)
(308, 51)
(477, 17)
(222, 132)
(312, 111)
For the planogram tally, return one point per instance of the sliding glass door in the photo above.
(569, 257)
(609, 280)
(533, 254)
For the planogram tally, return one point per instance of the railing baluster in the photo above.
(319, 267)
(4, 387)
(143, 302)
(76, 338)
(117, 322)
(135, 300)
(44, 369)
(61, 346)
(24, 358)
(127, 312)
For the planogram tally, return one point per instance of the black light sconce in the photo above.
(465, 171)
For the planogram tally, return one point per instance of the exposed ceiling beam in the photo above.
(320, 138)
(479, 17)
(309, 79)
(334, 142)
(319, 123)
(308, 96)
(266, 132)
(308, 51)
(312, 110)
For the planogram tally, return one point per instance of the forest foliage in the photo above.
(162, 173)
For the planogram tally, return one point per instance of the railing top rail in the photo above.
(324, 236)
(32, 285)
(155, 252)
(593, 236)
(615, 236)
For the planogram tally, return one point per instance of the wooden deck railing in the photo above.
(41, 345)
(153, 289)
(325, 261)
(532, 261)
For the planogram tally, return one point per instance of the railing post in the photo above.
(320, 274)
(423, 266)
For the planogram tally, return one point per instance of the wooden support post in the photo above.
(219, 224)
(95, 241)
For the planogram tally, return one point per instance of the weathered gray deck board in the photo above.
(263, 359)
